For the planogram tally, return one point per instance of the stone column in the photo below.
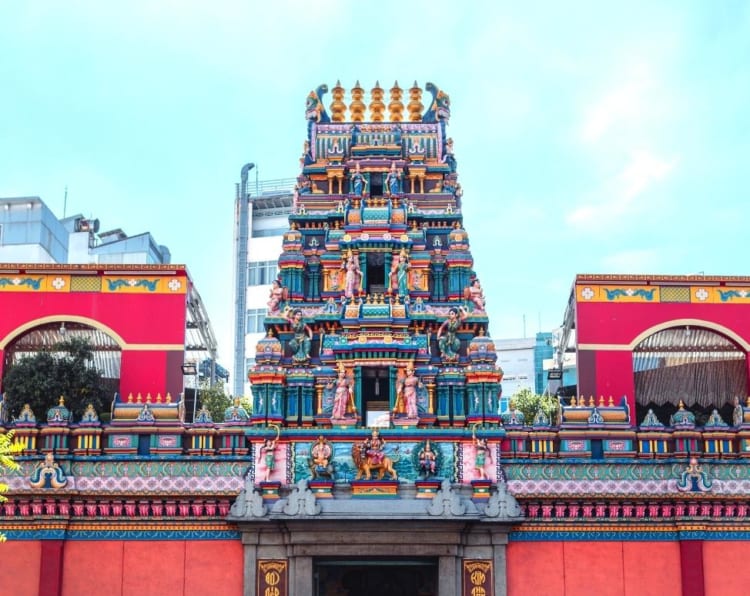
(448, 576)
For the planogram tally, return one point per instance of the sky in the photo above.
(591, 137)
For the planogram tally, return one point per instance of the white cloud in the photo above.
(631, 261)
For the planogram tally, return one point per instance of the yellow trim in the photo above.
(92, 323)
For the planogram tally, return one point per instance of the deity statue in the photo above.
(276, 296)
(475, 296)
(447, 337)
(400, 274)
(482, 453)
(369, 456)
(269, 459)
(407, 394)
(449, 159)
(393, 180)
(353, 277)
(343, 397)
(358, 183)
(302, 339)
(427, 460)
(375, 448)
(321, 464)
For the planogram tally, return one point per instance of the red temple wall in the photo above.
(19, 567)
(602, 568)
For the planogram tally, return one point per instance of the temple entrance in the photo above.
(375, 577)
(375, 273)
(376, 391)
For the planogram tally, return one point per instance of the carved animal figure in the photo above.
(366, 466)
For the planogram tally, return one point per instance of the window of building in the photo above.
(262, 273)
(255, 318)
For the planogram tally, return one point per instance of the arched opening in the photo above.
(698, 366)
(107, 354)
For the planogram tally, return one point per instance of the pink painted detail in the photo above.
(24, 508)
(158, 508)
(573, 509)
(729, 510)
(184, 508)
(640, 510)
(616, 445)
(105, 508)
(533, 510)
(601, 510)
(210, 508)
(224, 508)
(167, 441)
(716, 510)
(653, 510)
(627, 510)
(37, 507)
(121, 441)
(143, 508)
(117, 508)
(197, 508)
(679, 509)
(614, 510)
(130, 508)
(588, 509)
(171, 508)
(560, 510)
(9, 508)
(741, 510)
(64, 507)
(576, 445)
(706, 509)
(91, 509)
(49, 508)
(666, 510)
(693, 509)
(546, 511)
(78, 509)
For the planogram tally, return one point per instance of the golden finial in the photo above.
(396, 106)
(415, 106)
(601, 401)
(357, 107)
(338, 107)
(61, 401)
(169, 397)
(130, 398)
(377, 107)
(573, 402)
(591, 401)
(158, 397)
(138, 398)
(148, 397)
(681, 405)
(611, 401)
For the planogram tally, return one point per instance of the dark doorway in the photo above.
(376, 391)
(375, 273)
(376, 184)
(374, 577)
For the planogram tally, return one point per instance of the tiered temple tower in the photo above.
(377, 301)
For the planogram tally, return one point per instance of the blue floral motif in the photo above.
(116, 284)
(729, 294)
(645, 294)
(34, 284)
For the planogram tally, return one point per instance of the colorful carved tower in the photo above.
(378, 314)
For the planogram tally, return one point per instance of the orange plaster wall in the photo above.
(602, 568)
(725, 568)
(152, 568)
(19, 566)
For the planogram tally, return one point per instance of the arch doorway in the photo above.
(700, 367)
(107, 354)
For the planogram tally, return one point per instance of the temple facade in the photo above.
(374, 459)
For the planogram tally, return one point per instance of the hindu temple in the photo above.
(375, 459)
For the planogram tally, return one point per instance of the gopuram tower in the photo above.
(375, 390)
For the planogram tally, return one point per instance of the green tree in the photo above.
(529, 403)
(8, 448)
(215, 399)
(64, 370)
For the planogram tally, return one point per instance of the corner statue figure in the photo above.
(393, 180)
(343, 397)
(300, 343)
(369, 456)
(447, 337)
(407, 394)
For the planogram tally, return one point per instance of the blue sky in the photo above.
(591, 137)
